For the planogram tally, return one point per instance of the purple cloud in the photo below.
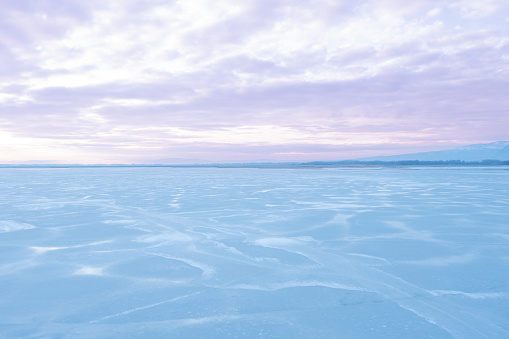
(129, 81)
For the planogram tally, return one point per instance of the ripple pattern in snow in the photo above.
(254, 253)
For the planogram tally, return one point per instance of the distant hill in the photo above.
(176, 161)
(498, 150)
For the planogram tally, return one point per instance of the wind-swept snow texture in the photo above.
(254, 253)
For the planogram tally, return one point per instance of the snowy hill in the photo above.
(498, 150)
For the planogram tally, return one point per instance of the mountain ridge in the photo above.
(498, 150)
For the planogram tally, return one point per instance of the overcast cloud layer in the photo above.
(139, 81)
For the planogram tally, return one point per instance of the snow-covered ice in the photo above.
(254, 253)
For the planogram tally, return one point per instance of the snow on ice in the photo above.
(254, 253)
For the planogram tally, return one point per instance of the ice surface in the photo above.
(254, 253)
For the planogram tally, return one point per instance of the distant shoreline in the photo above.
(286, 165)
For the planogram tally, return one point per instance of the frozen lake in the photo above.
(254, 253)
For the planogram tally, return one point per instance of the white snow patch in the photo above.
(120, 221)
(207, 271)
(477, 295)
(230, 249)
(220, 318)
(43, 249)
(10, 226)
(368, 257)
(89, 270)
(443, 261)
(277, 242)
(166, 237)
(42, 205)
(305, 283)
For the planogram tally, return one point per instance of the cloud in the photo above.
(126, 78)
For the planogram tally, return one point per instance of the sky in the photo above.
(154, 81)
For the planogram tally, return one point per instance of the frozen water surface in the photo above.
(254, 253)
